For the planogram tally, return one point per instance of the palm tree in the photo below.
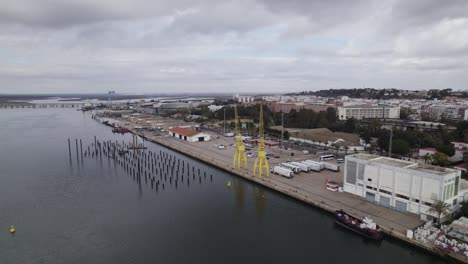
(440, 208)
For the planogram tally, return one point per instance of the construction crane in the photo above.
(240, 159)
(261, 162)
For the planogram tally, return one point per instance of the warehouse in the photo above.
(402, 185)
(188, 134)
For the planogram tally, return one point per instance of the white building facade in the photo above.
(244, 99)
(402, 185)
(367, 111)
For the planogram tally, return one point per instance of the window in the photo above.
(351, 172)
(402, 196)
(384, 191)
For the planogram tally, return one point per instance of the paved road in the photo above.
(309, 187)
(311, 184)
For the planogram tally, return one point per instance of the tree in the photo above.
(427, 157)
(331, 115)
(439, 159)
(350, 125)
(440, 208)
(366, 136)
(384, 140)
(447, 149)
(336, 147)
(346, 150)
(400, 146)
(464, 208)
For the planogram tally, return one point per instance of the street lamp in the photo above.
(224, 127)
(282, 129)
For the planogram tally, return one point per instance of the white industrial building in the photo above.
(368, 111)
(402, 185)
(188, 134)
(244, 98)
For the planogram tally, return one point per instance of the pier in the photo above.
(40, 106)
(309, 189)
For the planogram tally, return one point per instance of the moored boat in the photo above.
(121, 130)
(366, 227)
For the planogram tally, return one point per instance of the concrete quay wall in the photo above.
(296, 194)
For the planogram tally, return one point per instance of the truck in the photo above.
(331, 166)
(291, 167)
(313, 165)
(303, 167)
(282, 171)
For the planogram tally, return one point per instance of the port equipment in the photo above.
(135, 145)
(261, 163)
(240, 158)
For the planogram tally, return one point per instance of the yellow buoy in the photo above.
(229, 184)
(12, 229)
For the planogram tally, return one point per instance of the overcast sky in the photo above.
(154, 46)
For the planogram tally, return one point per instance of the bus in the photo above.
(327, 157)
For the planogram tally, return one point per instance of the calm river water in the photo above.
(94, 212)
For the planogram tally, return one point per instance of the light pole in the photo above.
(224, 127)
(282, 129)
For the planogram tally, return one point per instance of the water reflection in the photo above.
(260, 202)
(153, 169)
(239, 192)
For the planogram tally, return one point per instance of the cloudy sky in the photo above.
(153, 46)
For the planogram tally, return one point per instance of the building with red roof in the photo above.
(189, 135)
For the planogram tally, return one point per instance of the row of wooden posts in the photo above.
(159, 169)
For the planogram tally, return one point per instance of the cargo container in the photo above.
(282, 171)
(314, 165)
(331, 166)
(303, 167)
(291, 167)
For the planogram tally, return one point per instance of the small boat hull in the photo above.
(354, 227)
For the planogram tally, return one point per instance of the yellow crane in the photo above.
(261, 162)
(240, 159)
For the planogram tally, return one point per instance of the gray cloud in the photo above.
(246, 45)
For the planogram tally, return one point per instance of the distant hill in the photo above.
(386, 93)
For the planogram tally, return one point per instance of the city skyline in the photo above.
(254, 46)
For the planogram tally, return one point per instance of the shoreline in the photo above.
(297, 194)
(305, 199)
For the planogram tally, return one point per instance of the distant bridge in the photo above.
(41, 105)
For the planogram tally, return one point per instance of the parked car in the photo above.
(221, 147)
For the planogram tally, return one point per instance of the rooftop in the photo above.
(184, 131)
(404, 164)
(430, 149)
(368, 106)
(395, 162)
